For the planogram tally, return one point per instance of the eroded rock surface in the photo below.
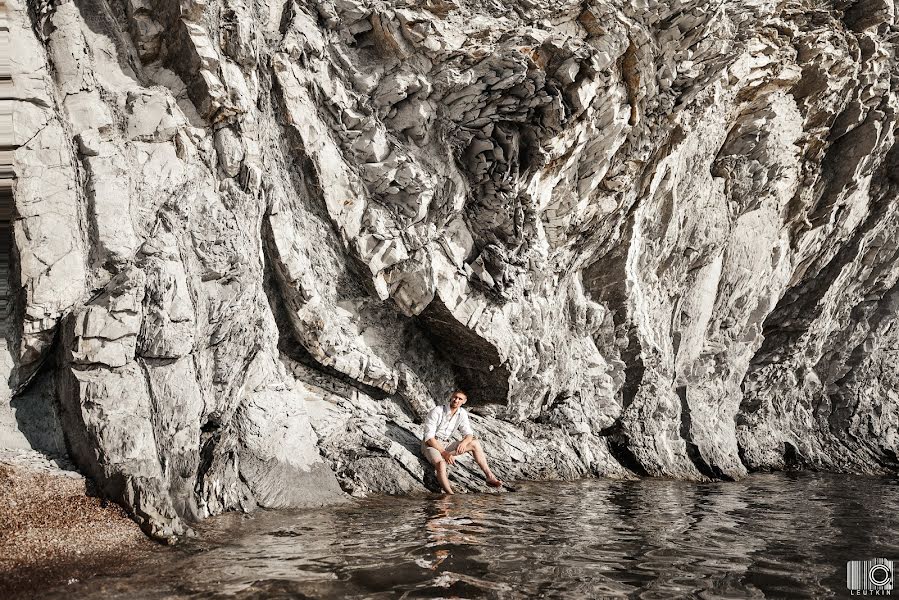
(256, 240)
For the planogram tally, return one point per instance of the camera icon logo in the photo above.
(872, 577)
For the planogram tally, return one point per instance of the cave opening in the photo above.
(475, 362)
(792, 458)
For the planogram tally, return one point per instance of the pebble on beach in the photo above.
(55, 531)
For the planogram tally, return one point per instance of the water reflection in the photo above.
(770, 536)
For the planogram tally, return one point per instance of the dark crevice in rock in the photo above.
(798, 307)
(287, 344)
(303, 173)
(546, 405)
(37, 409)
(621, 452)
(475, 361)
(890, 459)
(693, 452)
(619, 447)
(605, 281)
(792, 459)
(630, 76)
(840, 164)
(28, 367)
(39, 13)
(210, 436)
(633, 370)
(302, 178)
(294, 351)
(862, 14)
(741, 453)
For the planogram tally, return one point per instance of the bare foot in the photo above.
(494, 482)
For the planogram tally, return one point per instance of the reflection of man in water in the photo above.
(440, 426)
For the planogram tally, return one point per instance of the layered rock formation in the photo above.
(255, 240)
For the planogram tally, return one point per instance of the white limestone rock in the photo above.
(230, 151)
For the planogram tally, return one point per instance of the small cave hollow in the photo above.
(476, 363)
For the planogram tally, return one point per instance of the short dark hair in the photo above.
(459, 391)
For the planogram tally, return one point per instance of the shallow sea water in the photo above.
(768, 536)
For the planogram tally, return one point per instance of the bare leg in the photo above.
(481, 458)
(442, 477)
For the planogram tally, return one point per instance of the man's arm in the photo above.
(465, 444)
(467, 431)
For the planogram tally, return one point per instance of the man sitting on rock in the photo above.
(440, 426)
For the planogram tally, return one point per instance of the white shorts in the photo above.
(433, 455)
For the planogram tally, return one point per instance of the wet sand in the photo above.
(53, 531)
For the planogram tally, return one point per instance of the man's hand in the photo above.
(449, 457)
(465, 445)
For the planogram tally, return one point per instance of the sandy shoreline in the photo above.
(52, 531)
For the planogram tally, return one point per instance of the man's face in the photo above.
(457, 400)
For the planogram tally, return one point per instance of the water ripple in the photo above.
(770, 536)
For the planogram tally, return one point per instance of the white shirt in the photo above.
(441, 425)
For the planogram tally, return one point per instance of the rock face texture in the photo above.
(254, 241)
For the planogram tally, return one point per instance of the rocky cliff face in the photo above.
(255, 240)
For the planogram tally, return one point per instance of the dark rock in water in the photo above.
(251, 243)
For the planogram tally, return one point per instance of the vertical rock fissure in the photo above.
(702, 465)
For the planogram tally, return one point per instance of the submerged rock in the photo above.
(254, 242)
